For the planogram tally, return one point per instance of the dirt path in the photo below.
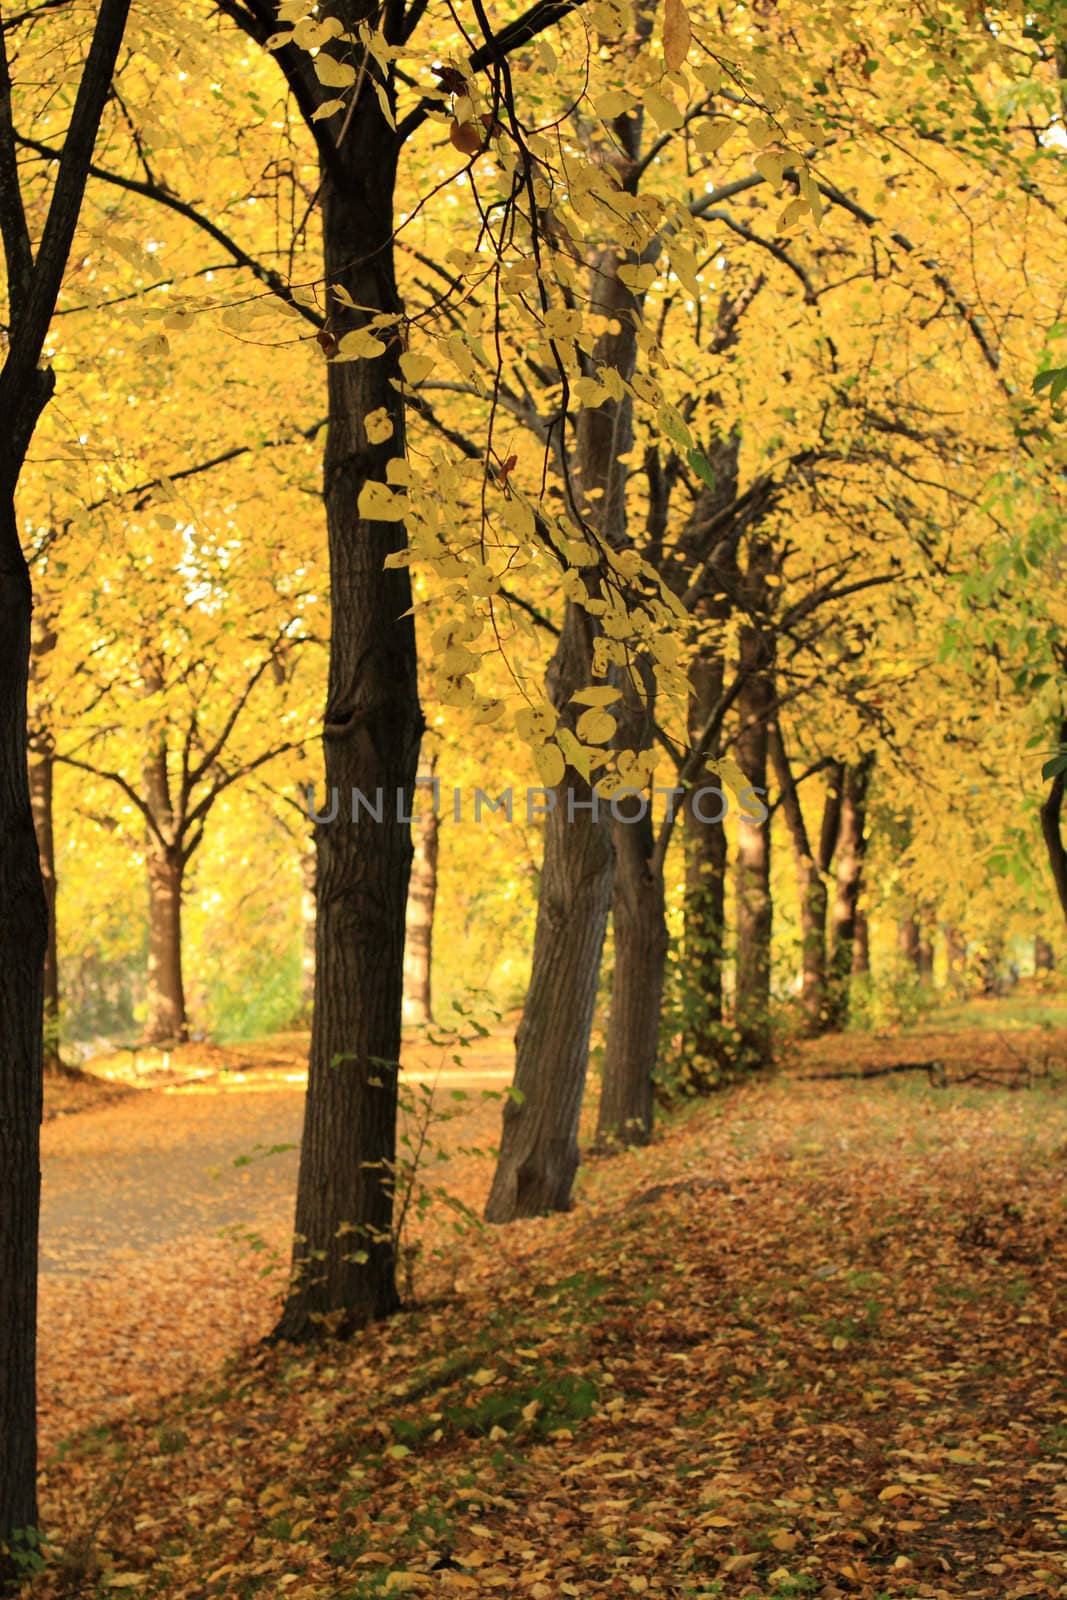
(162, 1215)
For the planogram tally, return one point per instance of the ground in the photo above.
(811, 1340)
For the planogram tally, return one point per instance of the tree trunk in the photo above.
(33, 278)
(23, 941)
(639, 921)
(539, 1140)
(165, 1021)
(850, 852)
(344, 1272)
(307, 929)
(1051, 830)
(957, 961)
(926, 947)
(1044, 959)
(811, 869)
(422, 899)
(861, 945)
(908, 937)
(42, 773)
(704, 911)
(43, 641)
(755, 706)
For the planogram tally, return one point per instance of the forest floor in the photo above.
(811, 1341)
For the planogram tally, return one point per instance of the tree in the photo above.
(34, 277)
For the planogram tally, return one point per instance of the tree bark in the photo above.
(344, 1271)
(23, 941)
(307, 929)
(752, 876)
(861, 945)
(33, 280)
(850, 853)
(926, 947)
(811, 869)
(957, 961)
(639, 922)
(1044, 958)
(704, 906)
(422, 901)
(165, 1020)
(1051, 831)
(539, 1139)
(908, 936)
(43, 641)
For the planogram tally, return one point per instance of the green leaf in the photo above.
(1053, 768)
(702, 467)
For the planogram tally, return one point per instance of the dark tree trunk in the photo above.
(957, 961)
(811, 869)
(34, 276)
(704, 1054)
(1051, 830)
(344, 1272)
(42, 773)
(752, 877)
(861, 946)
(422, 900)
(908, 937)
(165, 1020)
(307, 929)
(23, 941)
(851, 848)
(539, 1140)
(42, 782)
(925, 960)
(1044, 958)
(639, 921)
(704, 910)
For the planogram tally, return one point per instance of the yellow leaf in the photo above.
(549, 761)
(677, 34)
(662, 110)
(613, 104)
(379, 504)
(596, 695)
(731, 774)
(333, 73)
(770, 166)
(578, 757)
(891, 1491)
(126, 1580)
(379, 425)
(595, 726)
(311, 34)
(358, 345)
(328, 108)
(711, 136)
(416, 366)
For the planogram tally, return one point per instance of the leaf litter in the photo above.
(810, 1341)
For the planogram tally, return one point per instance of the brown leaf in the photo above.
(466, 138)
(677, 34)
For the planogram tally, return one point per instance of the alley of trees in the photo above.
(542, 513)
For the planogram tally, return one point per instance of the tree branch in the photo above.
(161, 195)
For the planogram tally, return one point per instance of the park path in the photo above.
(157, 1230)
